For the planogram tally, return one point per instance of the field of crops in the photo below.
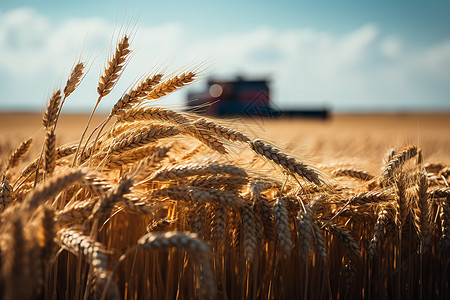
(160, 204)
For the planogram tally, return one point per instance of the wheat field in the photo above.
(148, 202)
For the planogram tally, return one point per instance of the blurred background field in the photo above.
(363, 139)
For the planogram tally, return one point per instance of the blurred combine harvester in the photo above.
(244, 97)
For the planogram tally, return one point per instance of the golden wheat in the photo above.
(214, 222)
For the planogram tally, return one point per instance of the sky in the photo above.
(346, 55)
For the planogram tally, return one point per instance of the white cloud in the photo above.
(362, 68)
(390, 47)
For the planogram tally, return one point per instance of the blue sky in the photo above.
(347, 55)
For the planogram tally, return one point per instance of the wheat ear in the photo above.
(400, 197)
(206, 137)
(74, 79)
(61, 152)
(152, 114)
(49, 122)
(19, 153)
(422, 212)
(264, 210)
(52, 188)
(398, 160)
(218, 224)
(305, 232)
(107, 82)
(160, 224)
(187, 241)
(445, 172)
(142, 158)
(142, 137)
(49, 118)
(221, 131)
(105, 205)
(371, 197)
(170, 85)
(380, 225)
(138, 170)
(197, 219)
(193, 152)
(286, 162)
(6, 192)
(362, 175)
(218, 182)
(319, 241)
(439, 192)
(135, 95)
(50, 152)
(75, 211)
(167, 115)
(200, 195)
(445, 225)
(94, 253)
(224, 198)
(72, 83)
(114, 69)
(195, 169)
(249, 230)
(345, 237)
(283, 226)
